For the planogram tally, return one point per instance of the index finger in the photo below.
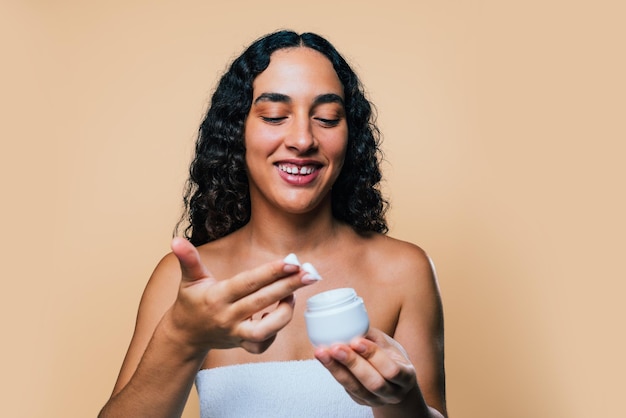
(250, 281)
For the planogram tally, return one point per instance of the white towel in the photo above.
(284, 389)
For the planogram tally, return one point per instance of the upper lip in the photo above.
(299, 162)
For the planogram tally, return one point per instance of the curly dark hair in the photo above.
(217, 198)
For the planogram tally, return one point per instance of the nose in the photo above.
(300, 137)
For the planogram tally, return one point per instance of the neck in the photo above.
(280, 234)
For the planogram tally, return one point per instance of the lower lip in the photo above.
(298, 180)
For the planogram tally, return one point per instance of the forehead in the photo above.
(298, 70)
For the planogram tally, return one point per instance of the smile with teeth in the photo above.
(296, 170)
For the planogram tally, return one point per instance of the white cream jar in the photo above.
(335, 316)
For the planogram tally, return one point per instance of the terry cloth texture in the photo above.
(284, 389)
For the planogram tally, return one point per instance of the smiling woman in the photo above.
(296, 133)
(218, 204)
(286, 162)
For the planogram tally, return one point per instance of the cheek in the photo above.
(336, 146)
(260, 143)
(260, 134)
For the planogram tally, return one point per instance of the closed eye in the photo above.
(274, 121)
(328, 122)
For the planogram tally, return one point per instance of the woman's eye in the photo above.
(273, 120)
(328, 122)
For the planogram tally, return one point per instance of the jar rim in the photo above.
(331, 298)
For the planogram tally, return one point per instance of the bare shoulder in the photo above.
(401, 262)
(159, 294)
(411, 277)
(397, 272)
(163, 284)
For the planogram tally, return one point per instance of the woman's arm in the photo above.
(401, 376)
(155, 378)
(161, 381)
(184, 313)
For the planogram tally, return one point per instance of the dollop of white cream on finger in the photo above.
(292, 259)
(308, 267)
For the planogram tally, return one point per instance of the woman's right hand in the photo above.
(213, 314)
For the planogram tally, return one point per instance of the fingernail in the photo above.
(340, 355)
(290, 268)
(309, 278)
(359, 348)
(323, 356)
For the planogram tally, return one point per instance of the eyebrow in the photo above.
(273, 97)
(283, 98)
(328, 98)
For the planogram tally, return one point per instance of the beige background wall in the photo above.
(504, 135)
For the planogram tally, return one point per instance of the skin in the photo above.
(237, 295)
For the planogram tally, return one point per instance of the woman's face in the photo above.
(296, 132)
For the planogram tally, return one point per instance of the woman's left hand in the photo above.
(375, 370)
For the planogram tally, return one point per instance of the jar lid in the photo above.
(331, 299)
